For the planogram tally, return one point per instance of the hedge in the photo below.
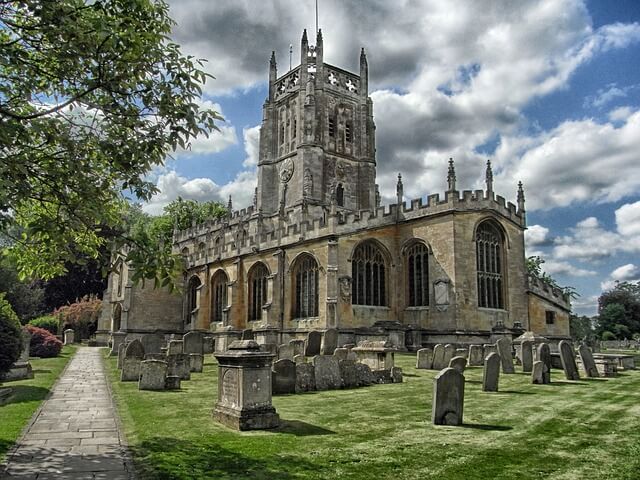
(10, 336)
(43, 343)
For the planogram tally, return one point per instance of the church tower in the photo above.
(317, 141)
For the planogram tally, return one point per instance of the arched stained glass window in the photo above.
(218, 295)
(489, 259)
(305, 278)
(368, 271)
(257, 290)
(417, 275)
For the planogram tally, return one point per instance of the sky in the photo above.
(548, 90)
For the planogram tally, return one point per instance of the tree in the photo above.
(26, 298)
(92, 96)
(619, 310)
(534, 267)
(10, 336)
(581, 328)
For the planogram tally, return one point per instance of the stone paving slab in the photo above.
(75, 433)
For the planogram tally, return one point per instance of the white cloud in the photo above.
(626, 272)
(605, 96)
(554, 267)
(536, 235)
(251, 145)
(628, 219)
(620, 114)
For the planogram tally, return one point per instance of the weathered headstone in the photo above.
(544, 356)
(329, 341)
(116, 339)
(537, 373)
(69, 336)
(152, 342)
(588, 363)
(305, 378)
(152, 375)
(133, 356)
(475, 355)
(298, 347)
(196, 362)
(438, 357)
(449, 353)
(364, 375)
(192, 342)
(526, 355)
(462, 352)
(327, 372)
(179, 364)
(489, 348)
(285, 352)
(341, 353)
(348, 373)
(448, 397)
(567, 356)
(284, 376)
(134, 349)
(506, 357)
(396, 374)
(244, 387)
(121, 349)
(491, 373)
(299, 359)
(424, 358)
(312, 347)
(172, 382)
(174, 347)
(208, 344)
(459, 363)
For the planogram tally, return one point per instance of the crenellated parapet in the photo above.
(553, 294)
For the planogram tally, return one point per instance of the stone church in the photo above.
(317, 250)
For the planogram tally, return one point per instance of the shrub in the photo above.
(81, 316)
(48, 322)
(10, 336)
(607, 335)
(43, 343)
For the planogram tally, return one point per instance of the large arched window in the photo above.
(192, 294)
(219, 283)
(489, 261)
(257, 290)
(417, 275)
(305, 286)
(368, 272)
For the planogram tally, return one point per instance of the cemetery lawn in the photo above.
(28, 395)
(566, 430)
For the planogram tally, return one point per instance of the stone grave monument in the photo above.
(448, 397)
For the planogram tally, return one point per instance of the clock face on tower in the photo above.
(286, 170)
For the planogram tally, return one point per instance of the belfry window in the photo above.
(305, 278)
(295, 127)
(348, 132)
(281, 134)
(417, 275)
(489, 260)
(332, 127)
(340, 195)
(257, 290)
(368, 272)
(218, 295)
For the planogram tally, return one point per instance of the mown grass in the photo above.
(566, 430)
(28, 395)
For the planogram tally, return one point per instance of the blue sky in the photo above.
(549, 90)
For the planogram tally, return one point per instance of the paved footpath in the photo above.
(75, 434)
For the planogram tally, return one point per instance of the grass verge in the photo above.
(566, 430)
(28, 395)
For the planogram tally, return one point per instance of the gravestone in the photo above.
(69, 336)
(196, 362)
(348, 373)
(21, 369)
(438, 357)
(327, 372)
(459, 363)
(305, 378)
(152, 342)
(462, 352)
(172, 382)
(396, 375)
(475, 355)
(192, 343)
(537, 373)
(424, 359)
(298, 347)
(378, 354)
(491, 373)
(544, 356)
(174, 347)
(567, 356)
(449, 353)
(588, 363)
(283, 376)
(489, 348)
(152, 375)
(179, 364)
(121, 349)
(208, 345)
(244, 387)
(329, 341)
(341, 353)
(117, 338)
(285, 352)
(448, 397)
(133, 357)
(506, 357)
(526, 355)
(364, 375)
(299, 359)
(247, 334)
(312, 347)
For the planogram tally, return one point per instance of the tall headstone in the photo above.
(537, 373)
(305, 377)
(459, 363)
(298, 346)
(208, 344)
(526, 355)
(491, 373)
(69, 336)
(312, 347)
(133, 356)
(438, 357)
(117, 338)
(544, 356)
(192, 342)
(329, 341)
(448, 397)
(588, 363)
(506, 357)
(475, 355)
(285, 352)
(567, 356)
(152, 375)
(327, 372)
(121, 349)
(284, 376)
(449, 353)
(179, 365)
(348, 373)
(196, 362)
(424, 358)
(244, 387)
